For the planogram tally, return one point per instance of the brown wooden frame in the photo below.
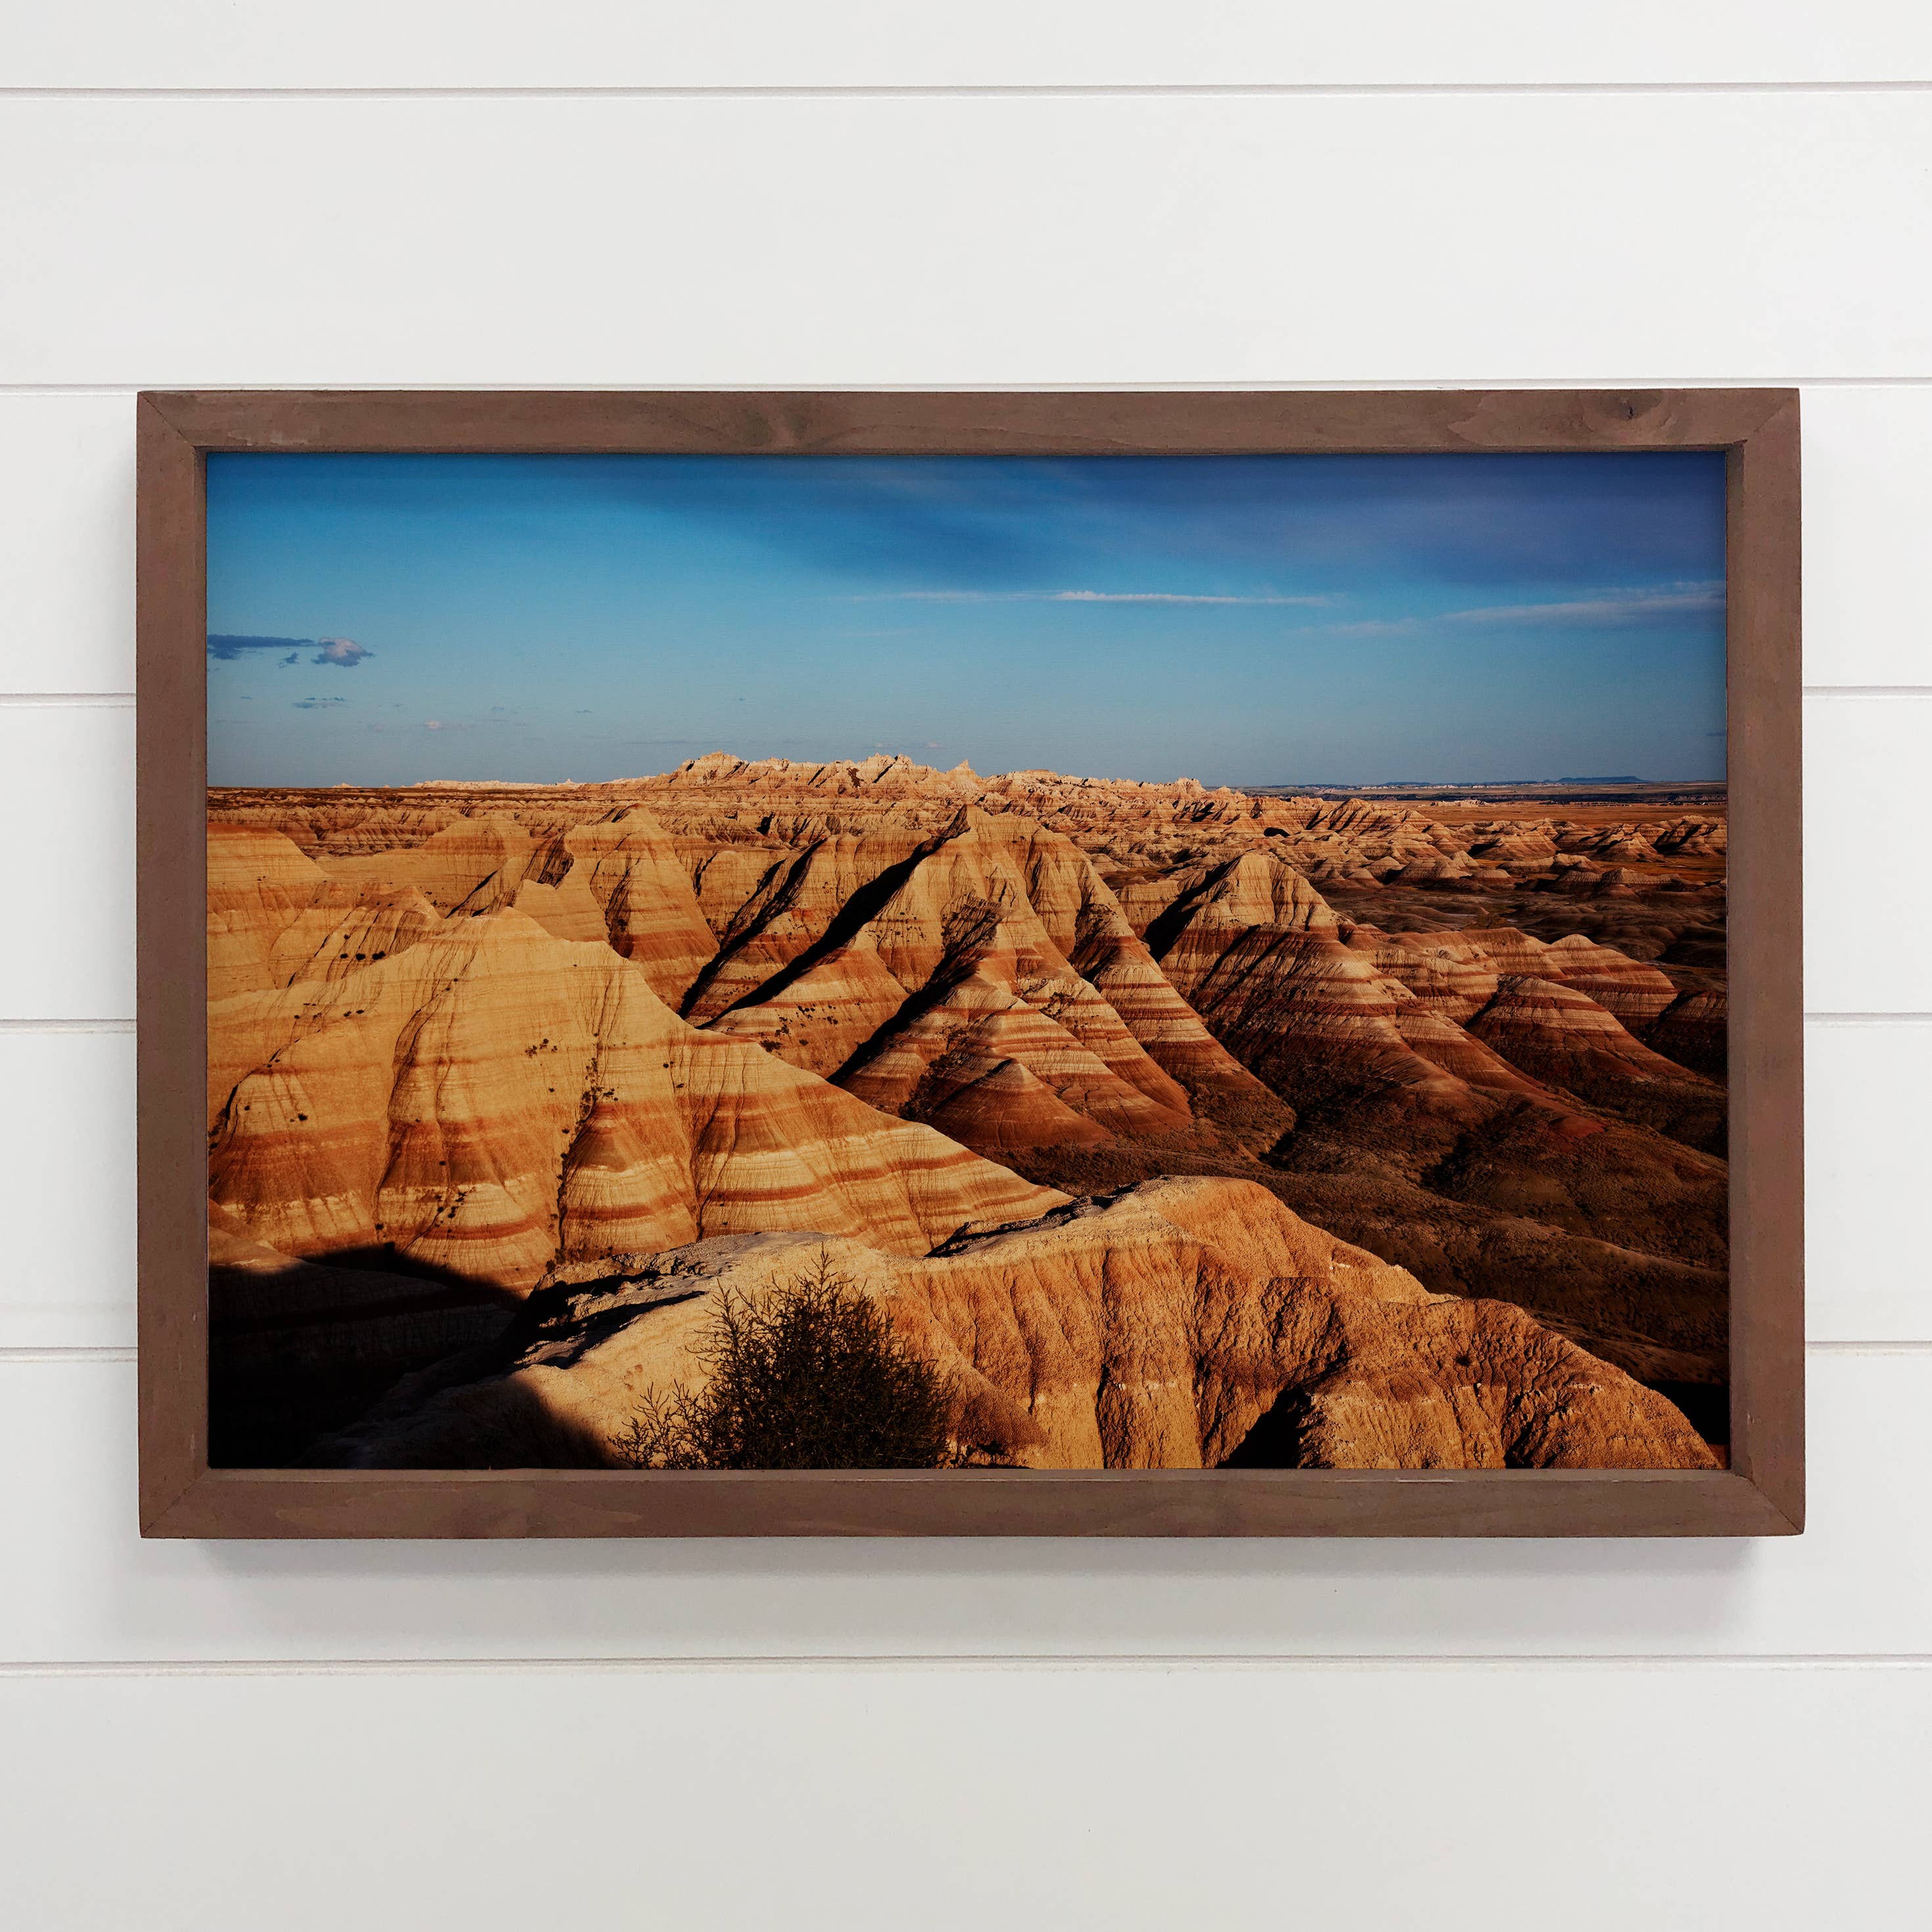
(1761, 1494)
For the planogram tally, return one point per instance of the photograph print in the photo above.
(998, 963)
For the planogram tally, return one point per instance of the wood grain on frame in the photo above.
(886, 422)
(1762, 1494)
(171, 965)
(1763, 705)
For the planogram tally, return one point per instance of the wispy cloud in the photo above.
(1070, 597)
(1612, 607)
(1607, 607)
(1167, 597)
(315, 703)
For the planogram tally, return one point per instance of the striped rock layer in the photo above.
(1177, 1324)
(494, 1099)
(1488, 1044)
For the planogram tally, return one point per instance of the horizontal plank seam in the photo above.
(1836, 1018)
(25, 1024)
(1083, 1662)
(76, 700)
(119, 700)
(1868, 691)
(1151, 384)
(114, 699)
(1846, 1345)
(33, 1026)
(79, 1351)
(1896, 1345)
(991, 90)
(110, 700)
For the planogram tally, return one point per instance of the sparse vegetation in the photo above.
(812, 1375)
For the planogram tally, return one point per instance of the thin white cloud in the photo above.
(1073, 597)
(1607, 607)
(1165, 597)
(1613, 607)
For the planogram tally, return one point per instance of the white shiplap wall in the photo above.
(419, 192)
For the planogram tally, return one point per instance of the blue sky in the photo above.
(382, 619)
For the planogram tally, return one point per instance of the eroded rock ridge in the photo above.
(486, 1033)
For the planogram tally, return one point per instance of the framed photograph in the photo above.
(1061, 963)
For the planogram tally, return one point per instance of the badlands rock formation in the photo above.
(479, 1033)
(493, 1099)
(1179, 1324)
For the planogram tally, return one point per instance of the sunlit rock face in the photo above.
(494, 1099)
(483, 1032)
(1178, 1325)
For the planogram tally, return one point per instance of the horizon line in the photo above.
(965, 765)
